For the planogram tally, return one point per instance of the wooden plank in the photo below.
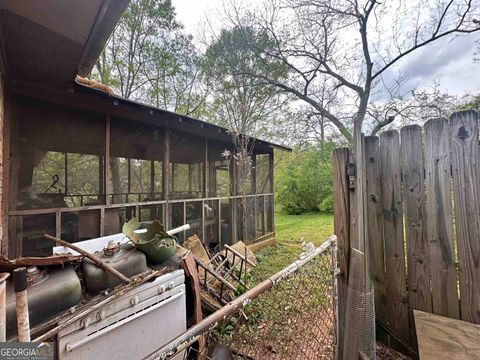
(439, 226)
(205, 170)
(271, 167)
(5, 176)
(374, 224)
(466, 189)
(419, 294)
(166, 176)
(445, 338)
(341, 207)
(395, 276)
(106, 161)
(341, 211)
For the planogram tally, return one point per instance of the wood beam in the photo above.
(205, 170)
(271, 165)
(166, 175)
(106, 162)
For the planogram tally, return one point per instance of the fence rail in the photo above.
(423, 220)
(287, 316)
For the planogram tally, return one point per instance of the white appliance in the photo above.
(132, 326)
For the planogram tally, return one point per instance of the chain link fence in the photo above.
(288, 316)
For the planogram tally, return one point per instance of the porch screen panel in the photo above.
(136, 156)
(57, 153)
(187, 158)
(31, 230)
(212, 223)
(262, 170)
(260, 217)
(226, 221)
(219, 162)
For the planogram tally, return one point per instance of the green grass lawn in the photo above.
(289, 229)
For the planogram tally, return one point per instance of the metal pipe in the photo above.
(179, 229)
(3, 308)
(20, 286)
(211, 321)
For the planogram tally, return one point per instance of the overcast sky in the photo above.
(446, 61)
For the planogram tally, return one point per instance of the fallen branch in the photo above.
(57, 259)
(92, 257)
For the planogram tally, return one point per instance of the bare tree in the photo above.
(345, 46)
(417, 106)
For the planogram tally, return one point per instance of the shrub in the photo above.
(304, 180)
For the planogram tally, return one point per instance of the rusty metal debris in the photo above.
(219, 319)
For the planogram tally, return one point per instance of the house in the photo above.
(77, 162)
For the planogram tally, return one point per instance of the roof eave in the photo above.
(149, 109)
(105, 22)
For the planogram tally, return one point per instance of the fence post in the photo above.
(341, 207)
(341, 210)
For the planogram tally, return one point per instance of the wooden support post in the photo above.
(205, 170)
(152, 180)
(58, 224)
(8, 176)
(271, 165)
(190, 175)
(106, 162)
(219, 221)
(129, 179)
(65, 165)
(254, 191)
(166, 176)
(102, 222)
(254, 173)
(233, 201)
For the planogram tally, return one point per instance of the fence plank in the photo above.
(395, 277)
(466, 188)
(341, 207)
(374, 223)
(439, 219)
(341, 210)
(419, 294)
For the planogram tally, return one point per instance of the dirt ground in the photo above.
(386, 353)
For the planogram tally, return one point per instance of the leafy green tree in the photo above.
(149, 58)
(240, 102)
(471, 104)
(144, 27)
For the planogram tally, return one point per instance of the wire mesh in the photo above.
(294, 319)
(358, 331)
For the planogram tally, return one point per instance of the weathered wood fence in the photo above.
(422, 220)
